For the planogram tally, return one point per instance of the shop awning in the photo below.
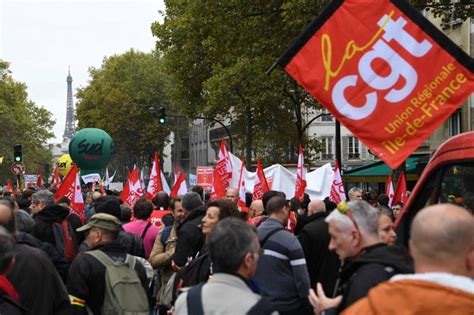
(379, 171)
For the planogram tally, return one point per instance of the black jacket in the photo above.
(190, 238)
(377, 264)
(323, 264)
(10, 307)
(38, 283)
(60, 263)
(86, 279)
(44, 220)
(133, 244)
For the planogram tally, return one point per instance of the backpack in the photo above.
(194, 303)
(165, 235)
(64, 239)
(196, 271)
(124, 293)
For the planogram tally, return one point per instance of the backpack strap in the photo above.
(145, 230)
(102, 257)
(263, 306)
(105, 260)
(194, 300)
(265, 239)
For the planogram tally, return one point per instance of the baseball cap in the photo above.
(102, 221)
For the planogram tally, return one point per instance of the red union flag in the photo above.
(383, 70)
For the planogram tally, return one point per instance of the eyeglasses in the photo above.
(343, 208)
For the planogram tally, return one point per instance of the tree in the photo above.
(22, 123)
(117, 100)
(217, 52)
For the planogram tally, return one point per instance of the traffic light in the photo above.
(17, 154)
(162, 115)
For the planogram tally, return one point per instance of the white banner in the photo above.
(281, 179)
(90, 178)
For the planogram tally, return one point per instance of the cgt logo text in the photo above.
(393, 30)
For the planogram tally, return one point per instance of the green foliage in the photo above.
(22, 123)
(117, 100)
(217, 52)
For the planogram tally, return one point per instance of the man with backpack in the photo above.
(234, 250)
(55, 224)
(105, 279)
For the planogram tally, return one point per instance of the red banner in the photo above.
(382, 70)
(204, 176)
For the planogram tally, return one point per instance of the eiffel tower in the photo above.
(69, 130)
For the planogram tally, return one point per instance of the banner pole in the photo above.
(338, 143)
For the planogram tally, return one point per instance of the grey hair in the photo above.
(229, 241)
(43, 195)
(364, 215)
(354, 190)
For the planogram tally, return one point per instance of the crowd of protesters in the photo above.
(196, 255)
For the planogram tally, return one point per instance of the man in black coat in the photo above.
(9, 297)
(366, 261)
(34, 275)
(46, 214)
(189, 233)
(86, 279)
(323, 264)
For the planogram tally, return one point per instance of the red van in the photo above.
(449, 175)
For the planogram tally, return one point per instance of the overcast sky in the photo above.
(41, 39)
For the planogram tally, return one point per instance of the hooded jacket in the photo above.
(190, 238)
(44, 220)
(376, 264)
(404, 297)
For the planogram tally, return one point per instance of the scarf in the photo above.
(7, 287)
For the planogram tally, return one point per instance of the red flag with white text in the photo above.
(180, 187)
(261, 184)
(217, 189)
(338, 193)
(157, 181)
(300, 183)
(383, 70)
(134, 191)
(224, 165)
(71, 189)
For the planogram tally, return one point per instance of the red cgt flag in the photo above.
(383, 70)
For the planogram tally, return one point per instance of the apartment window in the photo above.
(326, 117)
(354, 152)
(455, 123)
(327, 148)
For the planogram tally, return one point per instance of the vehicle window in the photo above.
(457, 185)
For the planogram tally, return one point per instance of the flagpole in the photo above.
(338, 143)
